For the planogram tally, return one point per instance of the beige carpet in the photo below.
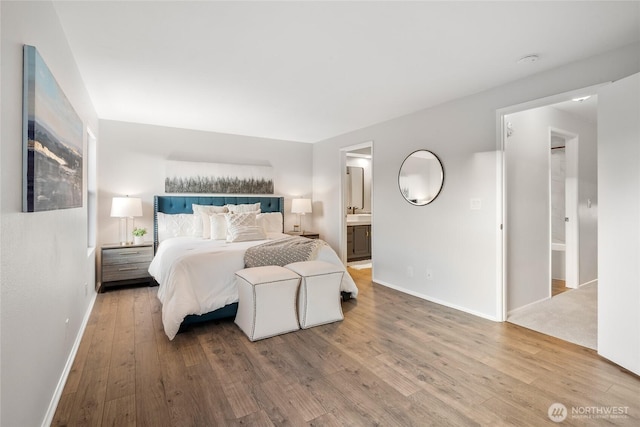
(571, 316)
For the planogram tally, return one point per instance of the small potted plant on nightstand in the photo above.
(138, 235)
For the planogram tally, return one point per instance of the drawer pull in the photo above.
(127, 268)
(128, 253)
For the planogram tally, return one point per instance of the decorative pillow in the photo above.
(271, 222)
(203, 211)
(208, 209)
(218, 226)
(242, 227)
(253, 207)
(178, 225)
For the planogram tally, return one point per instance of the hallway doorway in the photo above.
(546, 244)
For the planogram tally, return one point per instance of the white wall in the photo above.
(132, 158)
(44, 258)
(528, 211)
(458, 245)
(619, 226)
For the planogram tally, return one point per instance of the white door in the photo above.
(572, 225)
(619, 222)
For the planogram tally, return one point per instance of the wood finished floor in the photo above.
(558, 286)
(395, 360)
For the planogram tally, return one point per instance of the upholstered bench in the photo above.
(319, 296)
(267, 301)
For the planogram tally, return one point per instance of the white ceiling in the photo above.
(587, 109)
(307, 71)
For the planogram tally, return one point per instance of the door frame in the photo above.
(572, 226)
(502, 251)
(342, 235)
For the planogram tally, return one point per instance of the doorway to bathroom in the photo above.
(357, 205)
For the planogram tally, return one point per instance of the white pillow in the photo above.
(203, 211)
(208, 209)
(218, 226)
(243, 227)
(253, 207)
(178, 225)
(271, 222)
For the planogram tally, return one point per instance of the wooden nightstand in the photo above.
(125, 265)
(307, 234)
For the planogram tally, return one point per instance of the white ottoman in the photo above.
(319, 296)
(267, 301)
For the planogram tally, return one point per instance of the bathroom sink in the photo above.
(358, 219)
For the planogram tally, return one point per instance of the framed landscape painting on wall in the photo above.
(52, 141)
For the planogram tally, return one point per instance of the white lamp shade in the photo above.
(123, 207)
(301, 206)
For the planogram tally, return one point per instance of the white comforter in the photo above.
(197, 275)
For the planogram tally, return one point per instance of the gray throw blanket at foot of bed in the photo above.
(282, 252)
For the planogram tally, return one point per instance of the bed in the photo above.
(195, 268)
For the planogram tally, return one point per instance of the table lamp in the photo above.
(126, 208)
(301, 207)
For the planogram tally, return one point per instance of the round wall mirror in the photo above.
(421, 177)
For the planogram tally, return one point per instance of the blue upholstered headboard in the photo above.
(182, 204)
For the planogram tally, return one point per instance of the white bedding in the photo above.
(197, 275)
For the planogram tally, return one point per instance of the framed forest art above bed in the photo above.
(217, 178)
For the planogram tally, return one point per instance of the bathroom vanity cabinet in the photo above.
(358, 242)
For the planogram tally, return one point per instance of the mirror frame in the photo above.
(441, 184)
(351, 170)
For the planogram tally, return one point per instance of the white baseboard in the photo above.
(588, 283)
(515, 310)
(436, 300)
(51, 411)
